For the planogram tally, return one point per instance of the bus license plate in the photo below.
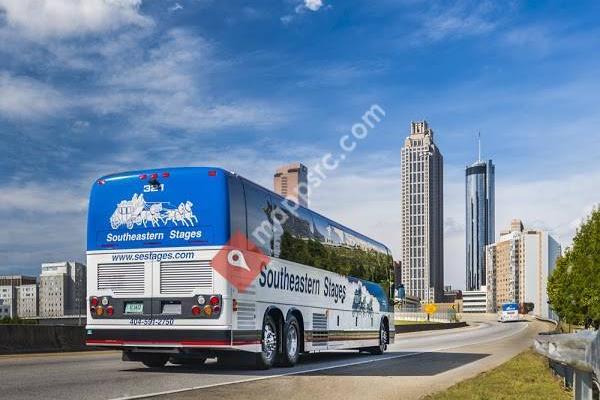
(150, 321)
(134, 308)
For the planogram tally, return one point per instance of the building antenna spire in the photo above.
(479, 146)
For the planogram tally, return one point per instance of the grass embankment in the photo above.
(525, 377)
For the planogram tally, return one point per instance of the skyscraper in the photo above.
(480, 216)
(291, 181)
(422, 215)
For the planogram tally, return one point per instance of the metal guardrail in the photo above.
(580, 351)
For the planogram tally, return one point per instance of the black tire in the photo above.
(383, 341)
(269, 344)
(155, 360)
(291, 343)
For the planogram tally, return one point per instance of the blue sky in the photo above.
(93, 87)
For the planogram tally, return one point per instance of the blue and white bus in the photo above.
(190, 263)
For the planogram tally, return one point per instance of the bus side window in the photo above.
(237, 206)
(294, 232)
(258, 217)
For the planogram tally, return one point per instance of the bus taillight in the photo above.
(94, 301)
(208, 310)
(166, 174)
(214, 300)
(110, 311)
(143, 177)
(196, 310)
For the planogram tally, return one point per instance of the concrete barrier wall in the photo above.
(48, 338)
(428, 327)
(41, 338)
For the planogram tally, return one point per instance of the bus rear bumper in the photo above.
(175, 339)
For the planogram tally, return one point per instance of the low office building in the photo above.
(62, 289)
(475, 301)
(17, 280)
(8, 301)
(27, 301)
(8, 293)
(518, 266)
(5, 310)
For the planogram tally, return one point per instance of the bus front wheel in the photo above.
(269, 344)
(383, 340)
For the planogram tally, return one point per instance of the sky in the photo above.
(93, 87)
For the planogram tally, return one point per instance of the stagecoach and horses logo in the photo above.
(368, 297)
(138, 211)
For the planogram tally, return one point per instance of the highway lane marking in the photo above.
(350, 364)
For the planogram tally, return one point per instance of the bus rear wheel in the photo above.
(291, 342)
(269, 344)
(155, 360)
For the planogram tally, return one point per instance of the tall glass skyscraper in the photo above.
(480, 216)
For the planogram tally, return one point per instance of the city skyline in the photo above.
(529, 86)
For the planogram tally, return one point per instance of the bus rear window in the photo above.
(184, 207)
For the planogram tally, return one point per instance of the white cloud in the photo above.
(286, 19)
(43, 198)
(164, 89)
(175, 7)
(313, 5)
(462, 18)
(23, 97)
(39, 19)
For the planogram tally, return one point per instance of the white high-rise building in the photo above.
(518, 266)
(62, 289)
(422, 215)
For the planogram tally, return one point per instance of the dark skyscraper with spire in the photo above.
(480, 219)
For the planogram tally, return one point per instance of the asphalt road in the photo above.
(415, 365)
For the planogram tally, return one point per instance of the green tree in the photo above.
(574, 286)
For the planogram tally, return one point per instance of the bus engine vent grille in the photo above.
(122, 279)
(320, 334)
(185, 277)
(246, 315)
